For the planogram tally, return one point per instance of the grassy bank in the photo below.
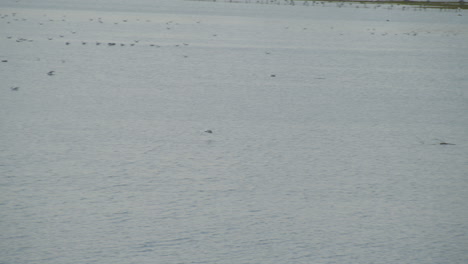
(414, 4)
(421, 4)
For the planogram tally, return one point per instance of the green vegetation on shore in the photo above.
(421, 4)
(415, 4)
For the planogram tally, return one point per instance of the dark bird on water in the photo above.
(443, 143)
(209, 131)
(51, 73)
(16, 88)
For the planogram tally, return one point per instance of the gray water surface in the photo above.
(326, 121)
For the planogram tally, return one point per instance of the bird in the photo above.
(445, 143)
(51, 73)
(209, 131)
(16, 88)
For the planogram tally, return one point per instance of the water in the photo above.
(327, 124)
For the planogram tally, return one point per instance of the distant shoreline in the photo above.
(421, 4)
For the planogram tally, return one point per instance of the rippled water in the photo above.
(326, 121)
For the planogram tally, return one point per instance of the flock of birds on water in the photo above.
(13, 17)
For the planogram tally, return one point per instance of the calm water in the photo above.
(326, 121)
